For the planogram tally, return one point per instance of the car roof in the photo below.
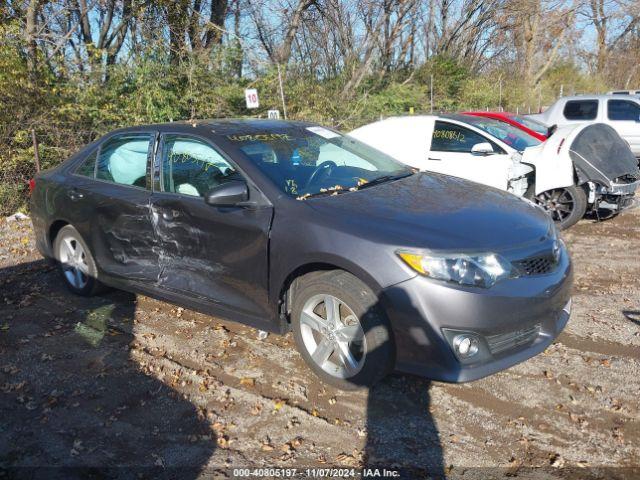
(597, 97)
(224, 126)
(460, 117)
(486, 113)
(425, 118)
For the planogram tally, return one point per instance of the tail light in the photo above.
(32, 185)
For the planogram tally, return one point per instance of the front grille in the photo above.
(507, 341)
(538, 265)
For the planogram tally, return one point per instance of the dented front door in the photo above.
(217, 255)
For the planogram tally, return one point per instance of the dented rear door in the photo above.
(121, 229)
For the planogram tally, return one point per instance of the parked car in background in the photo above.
(621, 113)
(578, 168)
(526, 124)
(292, 226)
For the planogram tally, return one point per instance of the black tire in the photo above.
(92, 285)
(378, 347)
(566, 206)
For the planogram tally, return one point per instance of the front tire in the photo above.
(76, 263)
(340, 330)
(566, 206)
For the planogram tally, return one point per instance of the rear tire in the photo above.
(566, 206)
(354, 351)
(76, 263)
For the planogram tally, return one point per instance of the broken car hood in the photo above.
(434, 211)
(600, 154)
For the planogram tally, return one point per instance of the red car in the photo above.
(532, 127)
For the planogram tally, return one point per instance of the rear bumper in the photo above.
(423, 313)
(40, 231)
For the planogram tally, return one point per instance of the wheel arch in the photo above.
(286, 286)
(52, 233)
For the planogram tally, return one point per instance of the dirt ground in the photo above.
(127, 381)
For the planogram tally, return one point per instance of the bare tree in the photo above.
(539, 29)
(277, 37)
(613, 21)
(30, 33)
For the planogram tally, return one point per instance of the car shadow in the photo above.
(401, 431)
(74, 400)
(632, 315)
(603, 214)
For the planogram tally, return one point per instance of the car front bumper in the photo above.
(514, 320)
(623, 188)
(619, 196)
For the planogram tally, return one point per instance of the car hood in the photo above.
(434, 211)
(601, 155)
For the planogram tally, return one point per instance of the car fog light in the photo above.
(466, 346)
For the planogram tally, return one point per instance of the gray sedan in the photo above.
(289, 226)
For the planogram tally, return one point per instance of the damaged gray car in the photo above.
(289, 226)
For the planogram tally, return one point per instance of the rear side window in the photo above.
(88, 167)
(623, 110)
(581, 110)
(448, 137)
(192, 167)
(123, 160)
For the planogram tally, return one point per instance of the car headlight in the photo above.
(478, 270)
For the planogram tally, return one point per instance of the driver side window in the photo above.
(449, 137)
(192, 167)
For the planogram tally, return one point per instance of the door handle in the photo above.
(170, 214)
(436, 159)
(75, 195)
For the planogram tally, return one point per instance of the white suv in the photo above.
(622, 113)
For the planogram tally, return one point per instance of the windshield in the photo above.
(531, 124)
(512, 136)
(314, 160)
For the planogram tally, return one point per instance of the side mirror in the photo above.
(228, 194)
(483, 148)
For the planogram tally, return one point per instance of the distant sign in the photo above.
(273, 114)
(251, 96)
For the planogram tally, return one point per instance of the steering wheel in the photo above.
(325, 166)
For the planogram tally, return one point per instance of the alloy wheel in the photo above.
(73, 259)
(333, 336)
(559, 203)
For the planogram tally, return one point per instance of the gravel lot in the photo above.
(127, 381)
